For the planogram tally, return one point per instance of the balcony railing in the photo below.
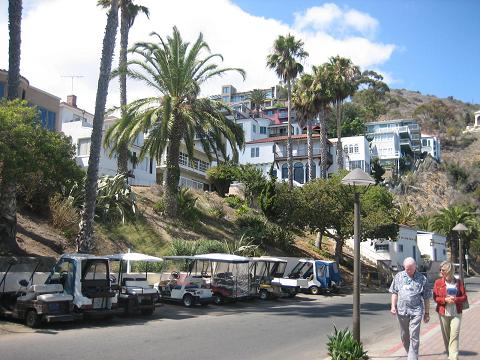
(281, 154)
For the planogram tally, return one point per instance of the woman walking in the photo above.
(449, 294)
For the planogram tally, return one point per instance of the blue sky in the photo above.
(438, 40)
(425, 45)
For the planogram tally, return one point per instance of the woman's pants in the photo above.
(451, 332)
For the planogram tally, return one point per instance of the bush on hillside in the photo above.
(187, 209)
(64, 216)
(234, 201)
(221, 177)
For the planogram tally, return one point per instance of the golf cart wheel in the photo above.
(217, 299)
(314, 290)
(148, 312)
(188, 300)
(263, 294)
(32, 319)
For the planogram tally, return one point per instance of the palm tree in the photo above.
(176, 70)
(257, 97)
(446, 220)
(324, 96)
(406, 215)
(129, 12)
(85, 235)
(8, 185)
(287, 51)
(345, 81)
(305, 104)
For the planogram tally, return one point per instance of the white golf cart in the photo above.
(87, 279)
(315, 276)
(228, 274)
(181, 280)
(135, 294)
(262, 271)
(21, 299)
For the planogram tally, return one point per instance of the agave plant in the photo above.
(242, 247)
(342, 346)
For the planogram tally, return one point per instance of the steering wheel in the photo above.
(175, 275)
(204, 273)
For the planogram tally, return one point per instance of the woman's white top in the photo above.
(451, 309)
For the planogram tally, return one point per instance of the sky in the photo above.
(429, 46)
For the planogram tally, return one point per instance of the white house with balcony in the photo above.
(78, 124)
(431, 145)
(356, 153)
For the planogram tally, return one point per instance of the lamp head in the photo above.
(460, 227)
(358, 177)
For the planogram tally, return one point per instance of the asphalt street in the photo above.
(280, 329)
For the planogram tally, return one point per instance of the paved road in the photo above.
(283, 329)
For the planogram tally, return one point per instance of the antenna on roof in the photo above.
(72, 77)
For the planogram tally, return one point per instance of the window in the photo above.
(400, 247)
(263, 129)
(356, 150)
(298, 173)
(350, 149)
(151, 166)
(254, 128)
(424, 142)
(134, 160)
(225, 98)
(357, 164)
(226, 90)
(255, 152)
(284, 171)
(84, 147)
(381, 247)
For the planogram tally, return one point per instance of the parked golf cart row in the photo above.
(81, 285)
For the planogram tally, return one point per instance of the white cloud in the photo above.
(64, 37)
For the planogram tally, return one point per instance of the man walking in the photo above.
(411, 295)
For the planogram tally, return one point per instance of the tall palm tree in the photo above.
(287, 51)
(345, 81)
(176, 70)
(85, 235)
(446, 220)
(8, 185)
(322, 87)
(257, 97)
(305, 104)
(129, 12)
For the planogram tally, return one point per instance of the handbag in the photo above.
(465, 305)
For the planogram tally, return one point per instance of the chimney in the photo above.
(72, 100)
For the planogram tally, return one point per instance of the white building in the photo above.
(77, 123)
(431, 145)
(356, 153)
(433, 245)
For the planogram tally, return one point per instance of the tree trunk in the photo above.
(8, 215)
(323, 145)
(172, 170)
(85, 241)
(318, 240)
(339, 251)
(309, 151)
(14, 49)
(338, 108)
(289, 136)
(122, 160)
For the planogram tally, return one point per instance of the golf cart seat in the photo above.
(46, 292)
(191, 286)
(139, 287)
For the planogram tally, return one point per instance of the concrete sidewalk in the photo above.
(431, 341)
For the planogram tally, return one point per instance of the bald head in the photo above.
(410, 266)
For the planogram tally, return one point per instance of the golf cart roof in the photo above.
(179, 257)
(268, 259)
(78, 256)
(313, 260)
(132, 256)
(222, 258)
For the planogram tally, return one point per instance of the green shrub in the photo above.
(221, 177)
(180, 247)
(186, 205)
(342, 346)
(64, 216)
(242, 210)
(215, 209)
(234, 201)
(159, 206)
(210, 246)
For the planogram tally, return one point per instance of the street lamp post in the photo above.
(459, 228)
(355, 178)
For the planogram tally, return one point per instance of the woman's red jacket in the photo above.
(440, 292)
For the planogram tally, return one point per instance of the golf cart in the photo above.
(87, 278)
(182, 281)
(21, 299)
(134, 292)
(228, 275)
(262, 271)
(316, 276)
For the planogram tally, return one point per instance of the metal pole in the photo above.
(466, 260)
(460, 255)
(356, 269)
